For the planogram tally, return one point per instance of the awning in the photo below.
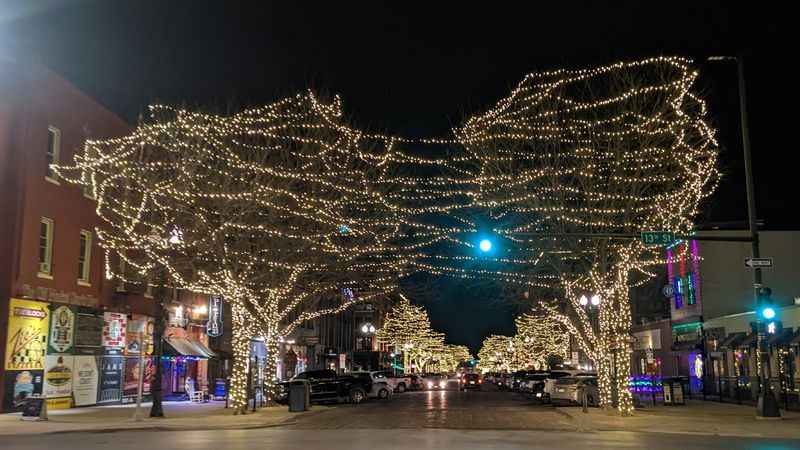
(177, 346)
(733, 339)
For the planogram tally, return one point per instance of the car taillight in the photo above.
(480, 381)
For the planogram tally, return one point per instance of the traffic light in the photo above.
(766, 308)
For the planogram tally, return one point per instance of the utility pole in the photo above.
(767, 404)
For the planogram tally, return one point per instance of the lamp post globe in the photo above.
(595, 300)
(485, 245)
(583, 300)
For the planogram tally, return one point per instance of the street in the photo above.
(448, 419)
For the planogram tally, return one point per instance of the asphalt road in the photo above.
(413, 420)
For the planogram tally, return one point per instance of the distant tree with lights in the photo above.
(540, 339)
(273, 208)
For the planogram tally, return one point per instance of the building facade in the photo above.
(68, 332)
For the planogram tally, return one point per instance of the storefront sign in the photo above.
(58, 376)
(215, 322)
(62, 330)
(114, 330)
(84, 385)
(26, 342)
(19, 386)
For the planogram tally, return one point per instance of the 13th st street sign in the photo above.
(657, 237)
(761, 263)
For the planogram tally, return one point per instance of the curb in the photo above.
(158, 427)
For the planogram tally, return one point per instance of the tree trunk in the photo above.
(271, 368)
(240, 342)
(157, 410)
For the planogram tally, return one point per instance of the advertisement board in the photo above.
(19, 386)
(111, 368)
(62, 330)
(88, 333)
(114, 330)
(26, 342)
(58, 376)
(85, 379)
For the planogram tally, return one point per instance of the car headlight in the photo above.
(430, 384)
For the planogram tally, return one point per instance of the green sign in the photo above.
(657, 237)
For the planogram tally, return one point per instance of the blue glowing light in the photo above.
(485, 245)
(768, 312)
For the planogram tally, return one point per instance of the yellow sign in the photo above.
(26, 344)
(59, 403)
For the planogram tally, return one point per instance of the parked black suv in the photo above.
(327, 386)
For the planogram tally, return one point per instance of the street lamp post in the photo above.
(767, 404)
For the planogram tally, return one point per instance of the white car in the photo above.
(381, 387)
(555, 375)
(567, 390)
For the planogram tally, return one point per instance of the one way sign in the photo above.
(760, 263)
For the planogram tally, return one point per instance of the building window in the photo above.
(84, 257)
(53, 151)
(46, 248)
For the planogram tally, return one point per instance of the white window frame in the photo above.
(84, 278)
(56, 152)
(48, 273)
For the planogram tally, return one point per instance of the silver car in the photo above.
(567, 390)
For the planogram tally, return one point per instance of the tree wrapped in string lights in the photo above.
(407, 328)
(273, 208)
(541, 339)
(500, 354)
(573, 157)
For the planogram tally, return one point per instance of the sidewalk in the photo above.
(696, 417)
(178, 416)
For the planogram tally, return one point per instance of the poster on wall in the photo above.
(111, 368)
(19, 385)
(114, 330)
(130, 386)
(85, 378)
(62, 330)
(58, 376)
(88, 333)
(139, 336)
(26, 342)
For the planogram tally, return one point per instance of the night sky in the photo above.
(417, 69)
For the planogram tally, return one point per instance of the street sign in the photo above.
(668, 291)
(657, 237)
(758, 262)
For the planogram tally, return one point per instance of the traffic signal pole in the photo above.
(767, 404)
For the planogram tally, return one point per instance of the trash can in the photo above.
(673, 392)
(299, 396)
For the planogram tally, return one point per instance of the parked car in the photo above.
(434, 381)
(503, 381)
(568, 390)
(382, 387)
(517, 377)
(470, 381)
(401, 383)
(416, 383)
(328, 386)
(554, 376)
(533, 384)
